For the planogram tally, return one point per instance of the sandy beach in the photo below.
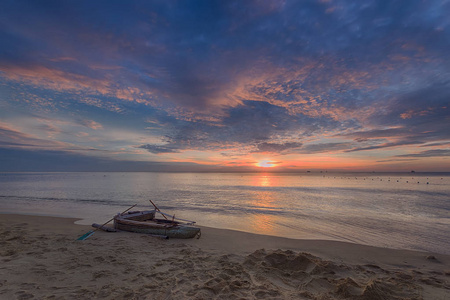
(41, 259)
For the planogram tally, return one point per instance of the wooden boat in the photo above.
(145, 222)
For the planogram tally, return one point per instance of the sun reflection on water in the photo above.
(263, 200)
(265, 180)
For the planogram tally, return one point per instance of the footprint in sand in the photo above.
(23, 295)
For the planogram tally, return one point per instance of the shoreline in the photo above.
(245, 235)
(41, 258)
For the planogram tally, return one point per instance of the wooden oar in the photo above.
(157, 209)
(188, 221)
(91, 232)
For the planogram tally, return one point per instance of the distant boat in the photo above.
(145, 222)
(413, 171)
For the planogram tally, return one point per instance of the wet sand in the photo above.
(41, 259)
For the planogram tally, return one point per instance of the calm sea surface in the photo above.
(409, 211)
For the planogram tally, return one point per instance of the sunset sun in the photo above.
(265, 164)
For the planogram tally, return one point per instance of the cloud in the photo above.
(277, 148)
(91, 124)
(419, 110)
(325, 147)
(436, 144)
(61, 161)
(156, 149)
(386, 145)
(376, 133)
(11, 137)
(36, 134)
(397, 160)
(428, 153)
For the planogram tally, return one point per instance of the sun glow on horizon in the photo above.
(265, 164)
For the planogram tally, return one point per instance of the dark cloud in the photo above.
(296, 148)
(277, 148)
(436, 144)
(428, 153)
(256, 121)
(397, 160)
(156, 149)
(386, 145)
(418, 111)
(415, 118)
(62, 161)
(252, 123)
(375, 133)
(325, 147)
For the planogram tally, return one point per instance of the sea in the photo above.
(394, 210)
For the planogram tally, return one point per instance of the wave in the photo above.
(29, 198)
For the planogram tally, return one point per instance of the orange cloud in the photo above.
(92, 124)
(12, 137)
(411, 113)
(58, 80)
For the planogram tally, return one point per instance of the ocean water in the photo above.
(406, 211)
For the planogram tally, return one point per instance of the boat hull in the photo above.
(144, 222)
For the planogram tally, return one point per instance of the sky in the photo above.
(238, 86)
